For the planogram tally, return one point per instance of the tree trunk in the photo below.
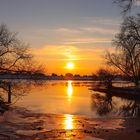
(109, 84)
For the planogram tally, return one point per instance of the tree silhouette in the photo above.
(13, 52)
(126, 5)
(106, 76)
(15, 58)
(131, 109)
(127, 55)
(103, 104)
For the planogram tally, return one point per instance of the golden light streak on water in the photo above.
(69, 89)
(68, 121)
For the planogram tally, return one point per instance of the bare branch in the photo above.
(126, 5)
(127, 43)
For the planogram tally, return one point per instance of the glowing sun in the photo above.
(70, 65)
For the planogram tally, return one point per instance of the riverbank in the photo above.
(21, 124)
(131, 93)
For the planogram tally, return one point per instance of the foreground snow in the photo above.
(21, 124)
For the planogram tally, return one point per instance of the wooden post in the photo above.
(9, 93)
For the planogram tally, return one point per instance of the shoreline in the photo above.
(21, 124)
(123, 92)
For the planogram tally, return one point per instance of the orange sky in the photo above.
(62, 31)
(55, 58)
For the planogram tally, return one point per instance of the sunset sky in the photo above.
(62, 31)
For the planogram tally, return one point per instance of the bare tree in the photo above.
(127, 55)
(106, 76)
(13, 52)
(14, 58)
(126, 5)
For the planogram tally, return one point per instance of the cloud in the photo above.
(103, 21)
(67, 30)
(87, 40)
(86, 30)
(90, 30)
(56, 52)
(100, 30)
(67, 52)
(55, 57)
(84, 35)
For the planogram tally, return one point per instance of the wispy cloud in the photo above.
(67, 52)
(84, 35)
(103, 21)
(85, 30)
(56, 57)
(87, 40)
(99, 30)
(56, 52)
(68, 30)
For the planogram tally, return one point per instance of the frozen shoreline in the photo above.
(21, 124)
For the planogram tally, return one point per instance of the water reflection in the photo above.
(75, 99)
(106, 104)
(131, 108)
(13, 90)
(69, 89)
(102, 103)
(68, 121)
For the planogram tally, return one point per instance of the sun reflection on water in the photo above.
(68, 121)
(69, 89)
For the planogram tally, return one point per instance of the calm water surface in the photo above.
(75, 98)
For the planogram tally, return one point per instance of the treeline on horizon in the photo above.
(67, 76)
